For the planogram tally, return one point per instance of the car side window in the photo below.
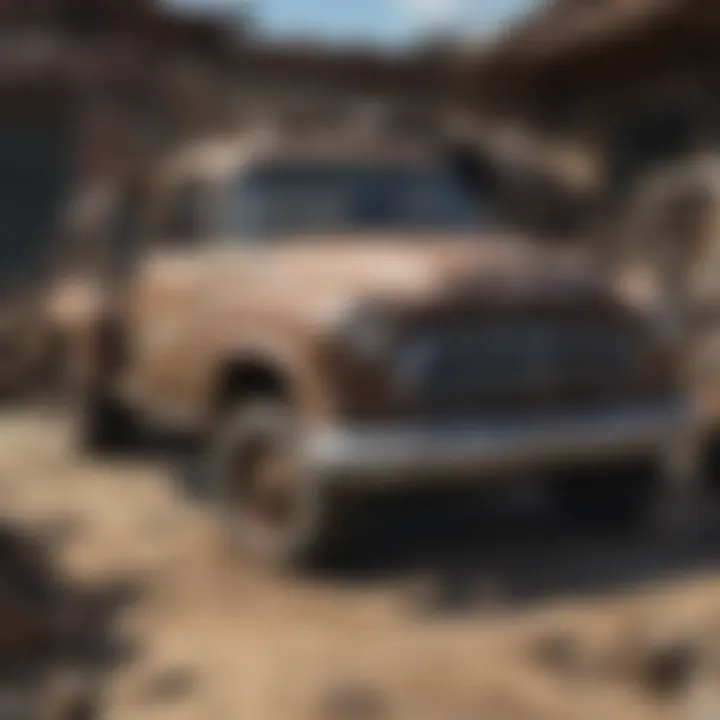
(246, 205)
(181, 220)
(126, 231)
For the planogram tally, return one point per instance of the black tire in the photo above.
(309, 528)
(610, 497)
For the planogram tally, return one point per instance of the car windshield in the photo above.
(282, 200)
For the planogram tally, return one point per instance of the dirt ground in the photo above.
(496, 614)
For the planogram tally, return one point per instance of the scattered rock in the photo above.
(570, 655)
(353, 702)
(669, 666)
(660, 661)
(169, 685)
(72, 696)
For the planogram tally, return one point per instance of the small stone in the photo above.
(665, 666)
(169, 685)
(72, 697)
(565, 652)
(353, 702)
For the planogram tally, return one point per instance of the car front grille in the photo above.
(526, 359)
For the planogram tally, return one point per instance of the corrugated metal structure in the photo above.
(635, 82)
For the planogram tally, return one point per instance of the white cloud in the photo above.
(431, 12)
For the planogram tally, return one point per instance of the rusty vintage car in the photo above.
(333, 315)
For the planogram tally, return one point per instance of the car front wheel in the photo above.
(273, 510)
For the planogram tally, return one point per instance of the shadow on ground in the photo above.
(490, 549)
(493, 546)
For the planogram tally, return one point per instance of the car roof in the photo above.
(220, 157)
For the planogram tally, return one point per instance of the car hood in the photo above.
(408, 271)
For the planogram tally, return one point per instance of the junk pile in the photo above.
(41, 630)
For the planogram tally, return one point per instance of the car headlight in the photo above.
(368, 332)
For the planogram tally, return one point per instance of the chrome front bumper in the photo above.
(368, 455)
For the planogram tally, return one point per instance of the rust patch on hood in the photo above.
(416, 269)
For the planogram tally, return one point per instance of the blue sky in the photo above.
(384, 21)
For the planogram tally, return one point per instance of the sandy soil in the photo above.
(433, 620)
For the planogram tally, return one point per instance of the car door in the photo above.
(165, 301)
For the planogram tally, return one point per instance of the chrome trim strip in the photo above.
(393, 453)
